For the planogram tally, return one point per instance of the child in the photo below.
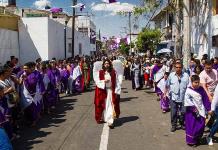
(164, 100)
(197, 103)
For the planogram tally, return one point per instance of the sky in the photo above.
(103, 15)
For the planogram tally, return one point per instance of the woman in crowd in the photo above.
(197, 104)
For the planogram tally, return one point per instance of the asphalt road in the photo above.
(141, 126)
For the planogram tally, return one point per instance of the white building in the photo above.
(204, 27)
(44, 37)
(86, 26)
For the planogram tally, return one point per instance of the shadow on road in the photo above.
(31, 136)
(119, 122)
(127, 99)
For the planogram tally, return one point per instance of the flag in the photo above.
(79, 5)
(82, 7)
(109, 1)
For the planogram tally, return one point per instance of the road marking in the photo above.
(104, 137)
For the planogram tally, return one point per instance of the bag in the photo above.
(13, 97)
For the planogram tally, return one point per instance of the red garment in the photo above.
(83, 79)
(101, 95)
(146, 76)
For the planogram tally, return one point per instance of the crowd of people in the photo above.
(27, 92)
(190, 95)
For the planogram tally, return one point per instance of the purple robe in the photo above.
(2, 111)
(164, 103)
(215, 66)
(51, 95)
(64, 75)
(195, 124)
(154, 71)
(32, 111)
(77, 83)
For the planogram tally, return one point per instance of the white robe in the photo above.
(109, 111)
(193, 98)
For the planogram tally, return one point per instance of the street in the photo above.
(141, 126)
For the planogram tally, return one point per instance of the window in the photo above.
(80, 49)
(69, 47)
(215, 41)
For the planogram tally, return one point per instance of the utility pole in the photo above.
(73, 27)
(187, 34)
(130, 31)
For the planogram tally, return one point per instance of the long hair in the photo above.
(110, 63)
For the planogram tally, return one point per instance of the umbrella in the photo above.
(164, 50)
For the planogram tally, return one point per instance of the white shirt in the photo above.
(214, 103)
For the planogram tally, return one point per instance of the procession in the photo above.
(108, 74)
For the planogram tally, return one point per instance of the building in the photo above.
(204, 27)
(9, 43)
(163, 20)
(203, 32)
(86, 26)
(47, 40)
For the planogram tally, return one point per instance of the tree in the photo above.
(148, 39)
(124, 47)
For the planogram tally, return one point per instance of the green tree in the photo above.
(148, 39)
(124, 47)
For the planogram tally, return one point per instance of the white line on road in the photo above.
(104, 137)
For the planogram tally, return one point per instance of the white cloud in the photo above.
(40, 4)
(113, 8)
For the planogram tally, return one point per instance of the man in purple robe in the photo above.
(76, 77)
(31, 92)
(52, 90)
(197, 103)
(64, 75)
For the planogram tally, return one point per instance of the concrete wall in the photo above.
(33, 37)
(203, 28)
(44, 37)
(9, 45)
(55, 40)
(9, 22)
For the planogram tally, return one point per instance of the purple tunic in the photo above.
(195, 124)
(2, 112)
(34, 79)
(64, 73)
(51, 95)
(154, 71)
(215, 66)
(164, 103)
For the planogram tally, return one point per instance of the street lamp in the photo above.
(66, 19)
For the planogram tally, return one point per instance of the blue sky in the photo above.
(104, 16)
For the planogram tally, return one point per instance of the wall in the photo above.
(55, 40)
(9, 45)
(9, 22)
(44, 37)
(202, 31)
(33, 38)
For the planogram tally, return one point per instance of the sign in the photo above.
(36, 15)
